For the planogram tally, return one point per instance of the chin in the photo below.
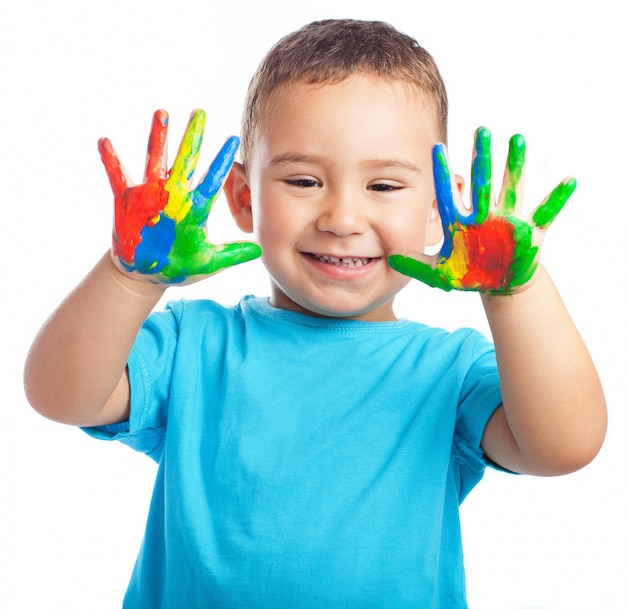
(374, 312)
(340, 306)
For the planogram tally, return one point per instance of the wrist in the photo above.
(535, 299)
(134, 283)
(539, 277)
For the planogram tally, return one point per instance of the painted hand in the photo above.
(160, 225)
(490, 248)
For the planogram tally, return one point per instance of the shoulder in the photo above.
(186, 314)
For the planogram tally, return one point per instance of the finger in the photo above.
(118, 178)
(445, 196)
(189, 149)
(481, 176)
(443, 184)
(238, 252)
(545, 213)
(212, 180)
(156, 159)
(512, 184)
(207, 260)
(418, 270)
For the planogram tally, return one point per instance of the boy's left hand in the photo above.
(491, 248)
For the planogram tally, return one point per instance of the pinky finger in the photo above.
(117, 174)
(548, 210)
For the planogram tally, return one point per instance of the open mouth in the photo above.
(351, 262)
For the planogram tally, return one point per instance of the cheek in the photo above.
(408, 230)
(274, 225)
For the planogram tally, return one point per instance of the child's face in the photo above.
(340, 177)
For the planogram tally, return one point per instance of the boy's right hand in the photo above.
(160, 225)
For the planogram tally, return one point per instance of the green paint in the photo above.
(420, 271)
(547, 211)
(526, 255)
(481, 175)
(164, 221)
(490, 250)
(514, 169)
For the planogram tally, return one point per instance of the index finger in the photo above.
(212, 181)
(445, 196)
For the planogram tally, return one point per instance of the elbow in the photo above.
(585, 452)
(562, 465)
(46, 398)
(570, 454)
(41, 399)
(592, 439)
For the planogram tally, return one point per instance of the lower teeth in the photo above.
(345, 262)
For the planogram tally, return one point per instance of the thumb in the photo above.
(421, 267)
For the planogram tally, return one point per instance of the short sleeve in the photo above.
(479, 399)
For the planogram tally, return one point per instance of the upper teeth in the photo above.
(350, 262)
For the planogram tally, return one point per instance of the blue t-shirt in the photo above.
(304, 462)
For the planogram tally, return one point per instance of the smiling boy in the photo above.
(313, 450)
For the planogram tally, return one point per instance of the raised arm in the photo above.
(76, 369)
(553, 417)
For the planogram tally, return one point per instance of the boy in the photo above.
(313, 450)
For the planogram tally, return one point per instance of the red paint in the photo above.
(491, 249)
(138, 206)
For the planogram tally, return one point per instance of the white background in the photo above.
(73, 508)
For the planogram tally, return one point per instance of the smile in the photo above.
(351, 262)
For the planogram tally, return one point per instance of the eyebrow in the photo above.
(384, 163)
(293, 157)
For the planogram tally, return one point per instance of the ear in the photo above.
(237, 191)
(460, 183)
(434, 229)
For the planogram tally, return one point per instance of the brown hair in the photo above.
(331, 50)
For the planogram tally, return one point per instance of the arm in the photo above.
(76, 369)
(553, 417)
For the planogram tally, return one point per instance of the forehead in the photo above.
(353, 106)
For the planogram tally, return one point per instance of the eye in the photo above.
(303, 182)
(384, 187)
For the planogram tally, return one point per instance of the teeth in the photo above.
(346, 262)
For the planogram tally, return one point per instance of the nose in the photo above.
(343, 214)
